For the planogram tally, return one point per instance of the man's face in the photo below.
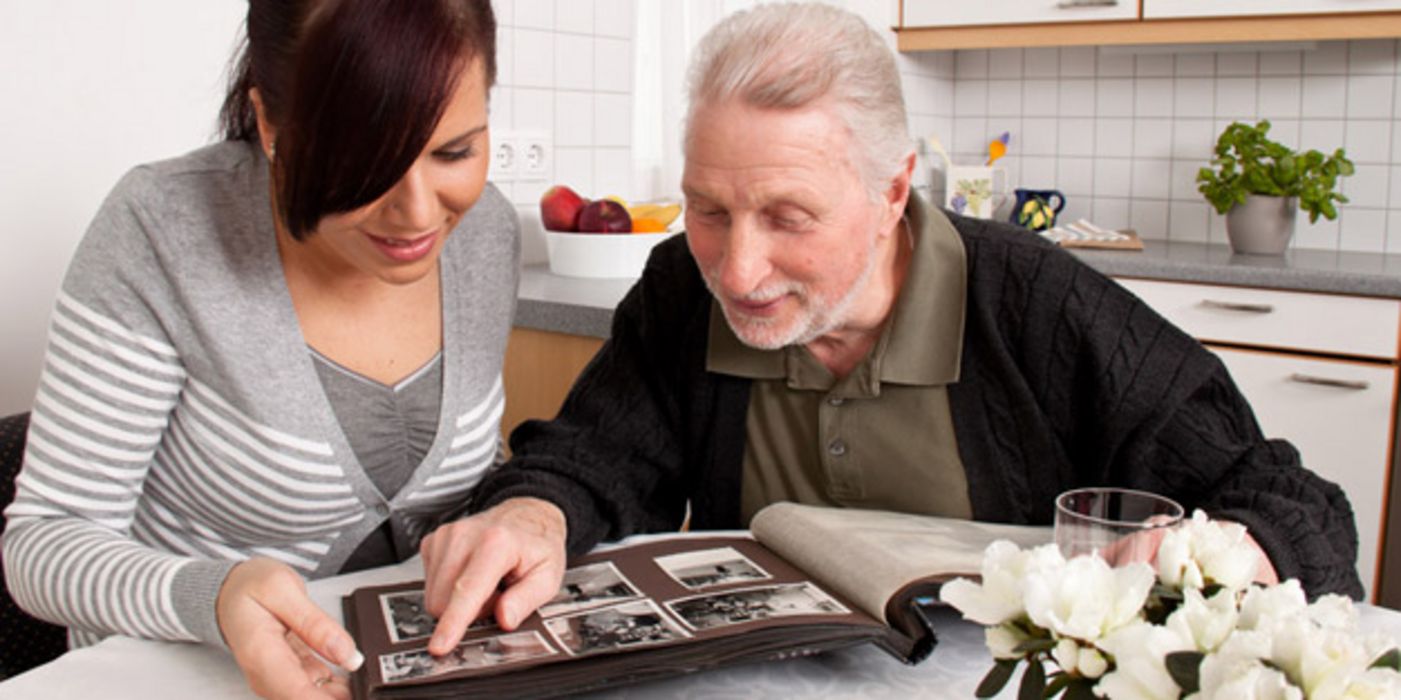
(779, 220)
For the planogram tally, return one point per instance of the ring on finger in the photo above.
(319, 682)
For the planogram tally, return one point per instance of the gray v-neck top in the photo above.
(390, 429)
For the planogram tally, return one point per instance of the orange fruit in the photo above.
(648, 226)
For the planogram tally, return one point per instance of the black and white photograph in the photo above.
(407, 619)
(621, 626)
(711, 567)
(469, 655)
(590, 586)
(713, 610)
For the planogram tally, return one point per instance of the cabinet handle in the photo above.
(1239, 306)
(1072, 4)
(1354, 384)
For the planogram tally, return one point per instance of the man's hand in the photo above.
(276, 634)
(516, 548)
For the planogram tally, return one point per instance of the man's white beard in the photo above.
(814, 319)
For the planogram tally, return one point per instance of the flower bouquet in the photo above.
(1195, 628)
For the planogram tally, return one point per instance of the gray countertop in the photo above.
(581, 306)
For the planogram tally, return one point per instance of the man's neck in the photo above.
(841, 350)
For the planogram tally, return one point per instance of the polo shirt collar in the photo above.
(921, 344)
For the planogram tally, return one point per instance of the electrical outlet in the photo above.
(535, 156)
(505, 158)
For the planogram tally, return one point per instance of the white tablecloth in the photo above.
(121, 667)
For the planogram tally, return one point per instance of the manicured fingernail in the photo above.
(355, 662)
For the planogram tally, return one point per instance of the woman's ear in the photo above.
(267, 133)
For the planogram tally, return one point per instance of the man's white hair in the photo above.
(793, 55)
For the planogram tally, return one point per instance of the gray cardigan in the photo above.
(180, 425)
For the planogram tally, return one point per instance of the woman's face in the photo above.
(398, 237)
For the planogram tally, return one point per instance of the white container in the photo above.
(604, 255)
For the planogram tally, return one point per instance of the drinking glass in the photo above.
(1120, 525)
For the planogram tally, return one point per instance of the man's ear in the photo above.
(898, 193)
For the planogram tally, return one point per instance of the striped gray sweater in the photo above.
(180, 426)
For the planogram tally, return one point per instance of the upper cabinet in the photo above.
(929, 25)
(988, 12)
(1160, 9)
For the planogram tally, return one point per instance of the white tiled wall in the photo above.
(565, 68)
(1122, 134)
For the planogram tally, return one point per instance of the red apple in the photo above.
(604, 216)
(559, 208)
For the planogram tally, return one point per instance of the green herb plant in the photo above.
(1247, 162)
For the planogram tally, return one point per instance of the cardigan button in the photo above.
(836, 448)
(835, 401)
(382, 510)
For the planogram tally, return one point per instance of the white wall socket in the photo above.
(521, 156)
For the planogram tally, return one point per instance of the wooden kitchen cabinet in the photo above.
(1320, 371)
(540, 368)
(934, 25)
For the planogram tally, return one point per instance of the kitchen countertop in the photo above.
(581, 306)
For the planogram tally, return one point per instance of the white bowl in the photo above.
(600, 254)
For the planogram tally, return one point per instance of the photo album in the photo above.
(808, 580)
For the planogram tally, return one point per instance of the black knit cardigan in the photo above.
(1067, 380)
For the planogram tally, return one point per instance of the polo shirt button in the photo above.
(381, 510)
(836, 447)
(836, 401)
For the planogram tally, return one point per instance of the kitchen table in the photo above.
(122, 667)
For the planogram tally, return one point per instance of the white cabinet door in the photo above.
(942, 13)
(1338, 413)
(1325, 323)
(1161, 9)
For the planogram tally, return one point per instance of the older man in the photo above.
(820, 335)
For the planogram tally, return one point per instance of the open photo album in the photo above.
(806, 580)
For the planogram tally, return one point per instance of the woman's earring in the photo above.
(272, 151)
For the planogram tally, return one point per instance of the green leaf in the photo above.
(1185, 667)
(1059, 681)
(1033, 682)
(1082, 689)
(997, 677)
(1391, 659)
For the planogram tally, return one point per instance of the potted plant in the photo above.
(1255, 181)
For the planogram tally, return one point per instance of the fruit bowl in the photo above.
(602, 255)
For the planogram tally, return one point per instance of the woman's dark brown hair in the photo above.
(355, 89)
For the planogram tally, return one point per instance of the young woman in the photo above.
(278, 357)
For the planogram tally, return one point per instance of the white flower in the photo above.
(1328, 659)
(1333, 611)
(1002, 641)
(1207, 623)
(1372, 684)
(1140, 671)
(999, 597)
(1082, 660)
(1086, 599)
(1264, 607)
(1237, 671)
(1203, 551)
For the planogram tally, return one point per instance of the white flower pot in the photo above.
(1262, 225)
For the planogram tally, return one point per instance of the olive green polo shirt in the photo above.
(882, 437)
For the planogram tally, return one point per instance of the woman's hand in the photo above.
(1143, 546)
(276, 634)
(516, 548)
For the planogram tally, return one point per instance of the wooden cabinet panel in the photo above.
(939, 13)
(1338, 414)
(1158, 9)
(540, 368)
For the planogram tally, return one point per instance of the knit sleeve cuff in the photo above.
(194, 593)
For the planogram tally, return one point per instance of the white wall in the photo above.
(90, 89)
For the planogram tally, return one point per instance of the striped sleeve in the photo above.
(110, 380)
